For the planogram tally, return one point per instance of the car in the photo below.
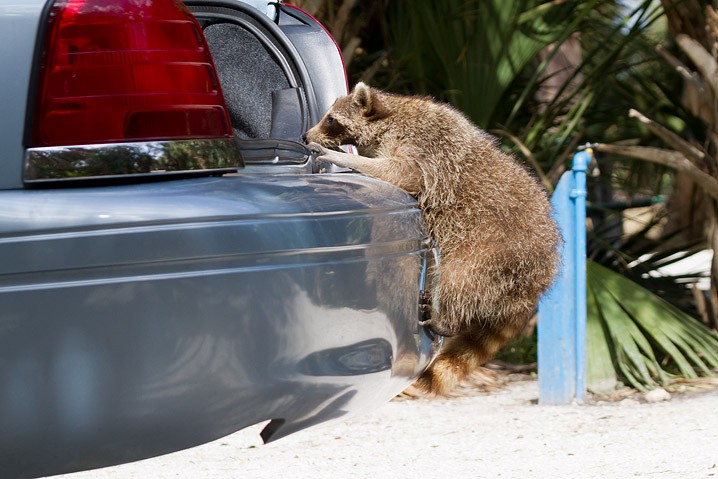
(175, 265)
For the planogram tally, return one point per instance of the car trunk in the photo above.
(271, 96)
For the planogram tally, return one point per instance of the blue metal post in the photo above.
(580, 164)
(562, 310)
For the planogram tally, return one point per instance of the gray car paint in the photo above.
(149, 318)
(18, 30)
(141, 319)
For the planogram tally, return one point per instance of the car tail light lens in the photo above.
(126, 70)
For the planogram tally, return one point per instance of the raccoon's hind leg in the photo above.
(437, 326)
(463, 354)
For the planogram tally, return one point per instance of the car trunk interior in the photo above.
(263, 86)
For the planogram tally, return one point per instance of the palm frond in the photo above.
(650, 341)
(470, 52)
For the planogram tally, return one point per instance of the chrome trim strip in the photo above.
(122, 160)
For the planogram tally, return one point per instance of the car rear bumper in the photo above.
(142, 319)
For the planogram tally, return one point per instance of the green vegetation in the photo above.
(547, 76)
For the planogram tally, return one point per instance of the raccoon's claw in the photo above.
(339, 158)
(439, 329)
(317, 148)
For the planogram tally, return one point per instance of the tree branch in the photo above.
(671, 139)
(702, 59)
(342, 18)
(680, 67)
(669, 158)
(692, 78)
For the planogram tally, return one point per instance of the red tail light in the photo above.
(126, 70)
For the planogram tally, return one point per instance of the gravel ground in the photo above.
(503, 434)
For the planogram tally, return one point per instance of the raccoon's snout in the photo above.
(311, 135)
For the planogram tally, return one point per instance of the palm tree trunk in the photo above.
(713, 242)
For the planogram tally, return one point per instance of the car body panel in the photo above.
(319, 53)
(18, 31)
(150, 318)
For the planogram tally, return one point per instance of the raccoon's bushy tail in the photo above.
(464, 353)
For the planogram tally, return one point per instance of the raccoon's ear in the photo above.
(371, 105)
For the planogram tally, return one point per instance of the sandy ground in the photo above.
(504, 434)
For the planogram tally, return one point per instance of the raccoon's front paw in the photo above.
(318, 149)
(330, 156)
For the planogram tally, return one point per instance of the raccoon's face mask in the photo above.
(350, 120)
(331, 132)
